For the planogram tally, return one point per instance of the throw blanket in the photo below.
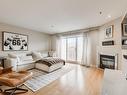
(49, 61)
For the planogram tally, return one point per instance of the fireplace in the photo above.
(108, 61)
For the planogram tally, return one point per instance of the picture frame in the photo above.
(124, 29)
(109, 32)
(124, 42)
(14, 41)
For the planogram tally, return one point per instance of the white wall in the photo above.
(116, 49)
(37, 41)
(93, 42)
(53, 42)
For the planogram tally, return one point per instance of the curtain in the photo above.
(58, 46)
(87, 52)
(84, 53)
(85, 60)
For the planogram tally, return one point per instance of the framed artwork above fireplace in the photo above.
(109, 32)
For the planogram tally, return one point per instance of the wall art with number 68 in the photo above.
(14, 41)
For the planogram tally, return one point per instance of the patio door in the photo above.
(72, 48)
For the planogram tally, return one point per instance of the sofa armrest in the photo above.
(11, 62)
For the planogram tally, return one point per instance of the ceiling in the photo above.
(56, 16)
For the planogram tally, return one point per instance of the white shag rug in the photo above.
(41, 79)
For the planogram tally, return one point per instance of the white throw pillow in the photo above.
(44, 54)
(14, 56)
(36, 55)
(52, 53)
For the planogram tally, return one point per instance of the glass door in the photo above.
(79, 48)
(64, 48)
(71, 49)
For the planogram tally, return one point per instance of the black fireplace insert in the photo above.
(107, 61)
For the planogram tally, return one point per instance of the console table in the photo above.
(2, 61)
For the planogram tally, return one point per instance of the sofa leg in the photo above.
(14, 91)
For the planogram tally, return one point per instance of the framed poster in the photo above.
(124, 29)
(14, 42)
(109, 32)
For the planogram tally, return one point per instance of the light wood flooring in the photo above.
(81, 81)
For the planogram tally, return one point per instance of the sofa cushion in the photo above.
(44, 54)
(25, 62)
(36, 56)
(52, 54)
(14, 56)
(26, 58)
(21, 58)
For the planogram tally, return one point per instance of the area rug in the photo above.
(41, 79)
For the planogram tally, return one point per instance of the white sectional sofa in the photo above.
(24, 61)
(19, 62)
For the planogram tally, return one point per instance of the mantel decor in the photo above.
(109, 32)
(107, 43)
(14, 41)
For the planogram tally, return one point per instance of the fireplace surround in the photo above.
(108, 61)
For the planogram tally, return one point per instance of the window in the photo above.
(72, 48)
(63, 49)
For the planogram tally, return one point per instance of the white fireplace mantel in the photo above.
(110, 54)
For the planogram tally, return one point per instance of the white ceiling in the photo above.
(56, 16)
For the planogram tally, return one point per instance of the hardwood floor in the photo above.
(81, 81)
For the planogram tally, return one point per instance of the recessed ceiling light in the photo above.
(100, 12)
(109, 16)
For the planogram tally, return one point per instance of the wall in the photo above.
(54, 42)
(37, 40)
(116, 49)
(93, 42)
